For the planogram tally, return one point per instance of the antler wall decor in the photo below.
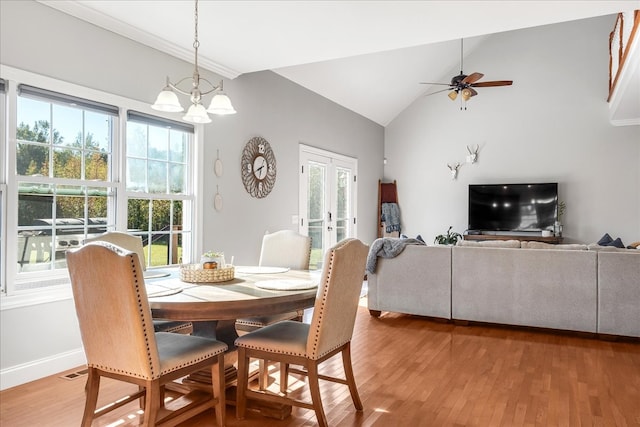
(473, 154)
(454, 169)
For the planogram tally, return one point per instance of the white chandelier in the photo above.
(168, 100)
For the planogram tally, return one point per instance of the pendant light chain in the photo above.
(196, 43)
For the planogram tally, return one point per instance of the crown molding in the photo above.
(88, 14)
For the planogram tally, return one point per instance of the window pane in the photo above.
(138, 215)
(161, 210)
(33, 120)
(177, 146)
(97, 131)
(67, 163)
(176, 182)
(136, 139)
(136, 174)
(68, 122)
(32, 159)
(158, 143)
(157, 177)
(96, 166)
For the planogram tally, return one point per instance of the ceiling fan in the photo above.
(464, 85)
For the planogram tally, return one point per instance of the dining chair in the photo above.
(119, 341)
(308, 345)
(284, 248)
(134, 243)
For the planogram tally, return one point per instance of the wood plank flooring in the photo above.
(413, 371)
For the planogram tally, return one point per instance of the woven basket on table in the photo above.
(194, 273)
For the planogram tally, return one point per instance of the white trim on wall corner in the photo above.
(26, 372)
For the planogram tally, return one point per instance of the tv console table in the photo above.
(550, 239)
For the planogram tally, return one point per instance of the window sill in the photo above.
(35, 297)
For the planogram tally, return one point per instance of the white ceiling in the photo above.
(355, 53)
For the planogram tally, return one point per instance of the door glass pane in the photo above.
(316, 209)
(343, 179)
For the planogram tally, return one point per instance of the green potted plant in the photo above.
(451, 238)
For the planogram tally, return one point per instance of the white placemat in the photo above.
(155, 274)
(256, 269)
(154, 290)
(286, 285)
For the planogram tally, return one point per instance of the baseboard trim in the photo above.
(26, 372)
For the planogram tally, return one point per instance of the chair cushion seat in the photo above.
(172, 326)
(177, 351)
(286, 337)
(252, 323)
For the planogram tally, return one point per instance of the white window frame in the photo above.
(59, 288)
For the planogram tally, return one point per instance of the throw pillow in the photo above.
(617, 243)
(605, 240)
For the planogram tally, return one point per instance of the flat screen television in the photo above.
(513, 207)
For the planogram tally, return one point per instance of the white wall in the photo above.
(44, 339)
(550, 126)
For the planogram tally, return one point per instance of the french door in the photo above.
(327, 199)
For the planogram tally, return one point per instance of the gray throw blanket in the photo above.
(387, 247)
(390, 216)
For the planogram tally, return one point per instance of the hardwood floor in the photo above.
(413, 371)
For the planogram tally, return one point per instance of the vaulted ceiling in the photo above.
(355, 53)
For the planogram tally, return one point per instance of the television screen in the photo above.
(513, 207)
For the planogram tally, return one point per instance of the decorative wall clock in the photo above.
(258, 167)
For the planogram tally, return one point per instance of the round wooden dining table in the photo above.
(214, 307)
(254, 291)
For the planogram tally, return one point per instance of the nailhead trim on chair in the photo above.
(142, 313)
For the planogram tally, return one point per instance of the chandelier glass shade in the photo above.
(168, 101)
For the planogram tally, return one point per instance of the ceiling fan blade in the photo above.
(438, 91)
(473, 77)
(429, 83)
(493, 83)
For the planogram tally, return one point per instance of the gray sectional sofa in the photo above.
(567, 287)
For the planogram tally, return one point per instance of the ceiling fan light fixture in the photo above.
(466, 94)
(453, 95)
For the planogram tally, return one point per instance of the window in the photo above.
(63, 175)
(78, 166)
(158, 186)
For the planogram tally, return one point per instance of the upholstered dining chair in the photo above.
(119, 341)
(134, 244)
(284, 248)
(308, 345)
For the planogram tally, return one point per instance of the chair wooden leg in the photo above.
(263, 374)
(91, 389)
(152, 403)
(284, 377)
(314, 388)
(351, 380)
(243, 379)
(218, 382)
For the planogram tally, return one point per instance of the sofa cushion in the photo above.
(542, 245)
(491, 243)
(596, 247)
